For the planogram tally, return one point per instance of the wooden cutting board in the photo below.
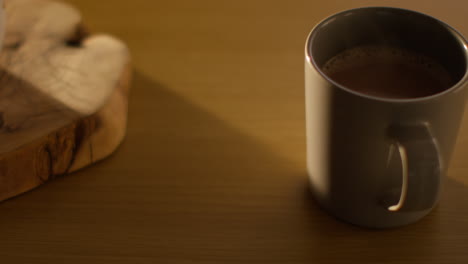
(63, 95)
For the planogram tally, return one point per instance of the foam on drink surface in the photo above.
(389, 72)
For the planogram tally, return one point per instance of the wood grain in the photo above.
(213, 166)
(61, 108)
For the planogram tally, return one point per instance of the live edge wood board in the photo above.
(63, 95)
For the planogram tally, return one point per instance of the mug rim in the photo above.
(452, 89)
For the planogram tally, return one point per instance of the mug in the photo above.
(374, 161)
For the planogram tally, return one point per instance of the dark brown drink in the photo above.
(388, 72)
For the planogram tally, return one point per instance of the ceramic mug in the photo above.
(351, 136)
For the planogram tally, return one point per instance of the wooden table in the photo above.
(213, 167)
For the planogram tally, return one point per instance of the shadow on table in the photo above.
(186, 187)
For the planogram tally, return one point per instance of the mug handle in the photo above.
(421, 167)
